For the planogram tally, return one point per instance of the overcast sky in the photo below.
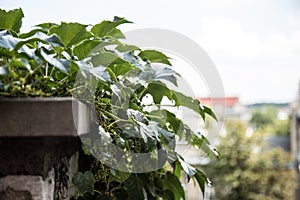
(255, 44)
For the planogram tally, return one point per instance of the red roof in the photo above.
(228, 101)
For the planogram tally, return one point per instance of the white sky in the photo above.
(255, 44)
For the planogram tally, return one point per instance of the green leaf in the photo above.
(31, 33)
(210, 112)
(120, 20)
(100, 48)
(186, 101)
(177, 168)
(168, 138)
(11, 20)
(104, 59)
(108, 28)
(201, 180)
(189, 170)
(120, 67)
(164, 116)
(166, 73)
(101, 73)
(84, 182)
(126, 48)
(46, 25)
(40, 37)
(118, 91)
(154, 57)
(62, 64)
(135, 188)
(7, 41)
(20, 62)
(118, 176)
(171, 183)
(83, 49)
(112, 74)
(137, 116)
(202, 142)
(70, 33)
(158, 90)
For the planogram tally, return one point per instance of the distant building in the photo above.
(225, 107)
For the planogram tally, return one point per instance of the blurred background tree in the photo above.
(266, 120)
(248, 172)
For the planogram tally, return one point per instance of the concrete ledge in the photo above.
(54, 116)
(39, 147)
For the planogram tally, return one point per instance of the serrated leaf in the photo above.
(104, 59)
(154, 57)
(62, 64)
(137, 115)
(31, 33)
(158, 90)
(203, 143)
(127, 48)
(172, 183)
(186, 101)
(133, 59)
(118, 92)
(83, 49)
(40, 37)
(201, 180)
(84, 182)
(7, 41)
(108, 28)
(70, 33)
(46, 25)
(146, 134)
(120, 67)
(164, 116)
(11, 20)
(120, 20)
(101, 73)
(210, 112)
(166, 73)
(168, 138)
(188, 169)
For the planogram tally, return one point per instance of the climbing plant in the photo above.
(47, 61)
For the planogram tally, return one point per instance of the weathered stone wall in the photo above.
(39, 147)
(38, 168)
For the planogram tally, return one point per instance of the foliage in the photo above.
(266, 121)
(246, 172)
(46, 62)
(263, 117)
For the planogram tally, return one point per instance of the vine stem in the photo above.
(120, 120)
(141, 94)
(38, 67)
(46, 73)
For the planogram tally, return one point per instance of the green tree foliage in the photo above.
(46, 62)
(246, 172)
(265, 119)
